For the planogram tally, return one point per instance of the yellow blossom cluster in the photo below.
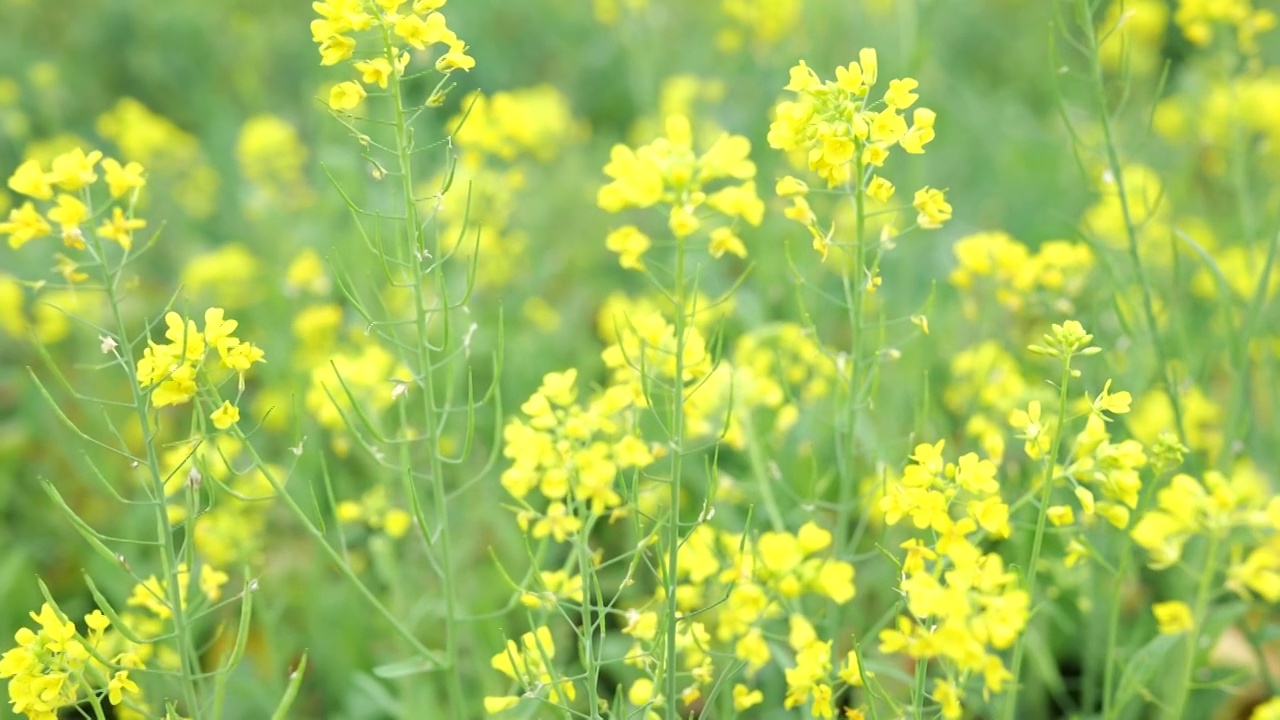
(740, 586)
(272, 160)
(56, 667)
(231, 530)
(171, 155)
(419, 26)
(361, 379)
(782, 368)
(1132, 36)
(1214, 504)
(963, 606)
(173, 371)
(65, 186)
(998, 265)
(761, 23)
(535, 121)
(669, 172)
(501, 139)
(529, 664)
(838, 131)
(571, 454)
(1198, 20)
(374, 511)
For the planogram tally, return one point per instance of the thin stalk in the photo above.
(1201, 610)
(164, 532)
(586, 572)
(670, 664)
(846, 452)
(1037, 542)
(416, 247)
(334, 556)
(1113, 636)
(1131, 229)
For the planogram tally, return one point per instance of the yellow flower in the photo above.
(899, 94)
(24, 225)
(921, 132)
(74, 170)
(745, 698)
(630, 244)
(790, 186)
(122, 179)
(455, 59)
(932, 207)
(880, 189)
(420, 33)
(948, 696)
(336, 48)
(724, 240)
(120, 228)
(1173, 617)
(28, 179)
(346, 95)
(870, 64)
(802, 78)
(495, 705)
(69, 213)
(376, 71)
(683, 222)
(225, 416)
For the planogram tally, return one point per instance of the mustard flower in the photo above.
(225, 416)
(120, 227)
(122, 179)
(24, 224)
(630, 244)
(669, 172)
(30, 180)
(932, 207)
(832, 122)
(1174, 617)
(69, 213)
(346, 95)
(73, 170)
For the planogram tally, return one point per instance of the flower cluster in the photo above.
(172, 156)
(670, 173)
(1198, 18)
(174, 371)
(529, 663)
(420, 27)
(839, 132)
(571, 454)
(963, 606)
(231, 529)
(760, 22)
(994, 263)
(761, 582)
(56, 667)
(65, 186)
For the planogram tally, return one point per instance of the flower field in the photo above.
(640, 359)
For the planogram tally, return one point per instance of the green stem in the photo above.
(1203, 593)
(1130, 227)
(164, 532)
(586, 572)
(846, 435)
(670, 663)
(415, 244)
(1037, 542)
(1113, 634)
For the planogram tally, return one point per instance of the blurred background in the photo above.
(224, 101)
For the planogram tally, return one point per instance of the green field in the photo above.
(648, 359)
